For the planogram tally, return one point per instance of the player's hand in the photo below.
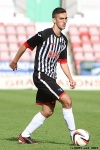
(13, 65)
(72, 84)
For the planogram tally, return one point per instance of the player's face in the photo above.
(60, 20)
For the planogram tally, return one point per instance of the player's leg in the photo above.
(58, 93)
(66, 102)
(37, 121)
(47, 110)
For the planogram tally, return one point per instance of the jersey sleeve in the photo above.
(34, 41)
(63, 54)
(63, 57)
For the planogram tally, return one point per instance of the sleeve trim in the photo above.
(62, 61)
(28, 46)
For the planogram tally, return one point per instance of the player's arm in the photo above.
(20, 52)
(66, 71)
(31, 44)
(64, 65)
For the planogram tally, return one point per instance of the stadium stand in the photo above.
(83, 36)
(85, 43)
(11, 37)
(84, 40)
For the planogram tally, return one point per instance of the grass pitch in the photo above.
(17, 108)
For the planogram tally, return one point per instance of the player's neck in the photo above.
(57, 31)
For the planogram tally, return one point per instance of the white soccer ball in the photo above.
(81, 137)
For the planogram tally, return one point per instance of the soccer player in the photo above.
(51, 48)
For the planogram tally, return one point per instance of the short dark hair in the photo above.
(58, 10)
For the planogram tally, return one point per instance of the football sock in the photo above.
(69, 118)
(37, 121)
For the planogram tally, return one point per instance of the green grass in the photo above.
(17, 108)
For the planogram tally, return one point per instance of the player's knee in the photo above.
(47, 113)
(67, 103)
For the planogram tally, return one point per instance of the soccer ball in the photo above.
(81, 137)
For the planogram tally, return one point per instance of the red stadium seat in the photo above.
(21, 38)
(13, 47)
(30, 30)
(83, 28)
(12, 54)
(96, 47)
(77, 49)
(3, 38)
(95, 38)
(87, 47)
(85, 36)
(26, 56)
(93, 30)
(75, 45)
(73, 30)
(78, 57)
(97, 56)
(2, 29)
(4, 56)
(89, 56)
(3, 47)
(10, 29)
(84, 33)
(20, 29)
(11, 38)
(75, 41)
(75, 38)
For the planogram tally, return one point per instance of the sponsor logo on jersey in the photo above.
(53, 54)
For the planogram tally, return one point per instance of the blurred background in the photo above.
(21, 19)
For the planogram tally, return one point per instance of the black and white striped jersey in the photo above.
(50, 49)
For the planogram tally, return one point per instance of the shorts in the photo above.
(48, 90)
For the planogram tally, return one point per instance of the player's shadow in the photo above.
(11, 139)
(51, 142)
(38, 140)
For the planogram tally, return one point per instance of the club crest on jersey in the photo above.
(62, 46)
(53, 54)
